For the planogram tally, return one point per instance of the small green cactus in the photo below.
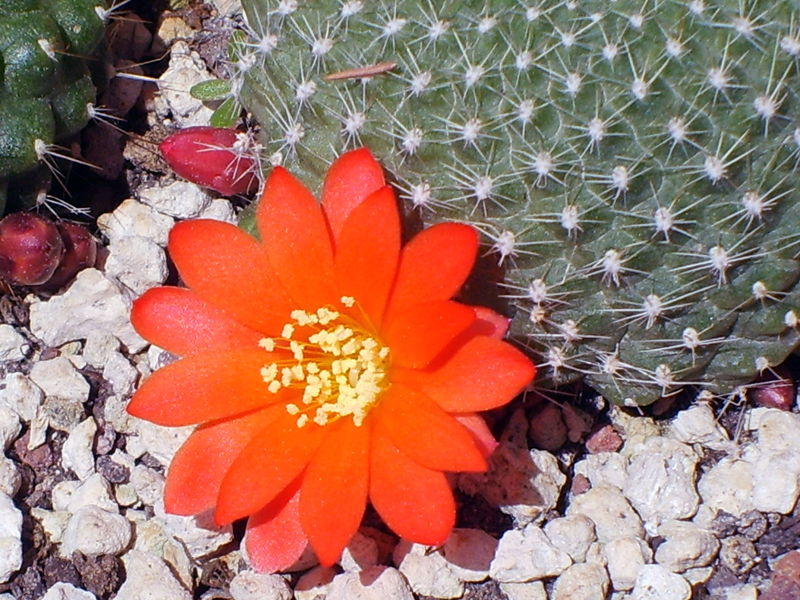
(46, 90)
(632, 163)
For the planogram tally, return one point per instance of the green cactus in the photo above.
(45, 85)
(632, 163)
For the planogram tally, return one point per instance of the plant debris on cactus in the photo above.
(46, 87)
(633, 165)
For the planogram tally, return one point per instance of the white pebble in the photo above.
(624, 558)
(315, 584)
(120, 373)
(10, 479)
(249, 585)
(77, 453)
(778, 432)
(686, 546)
(657, 583)
(728, 486)
(179, 199)
(137, 263)
(697, 425)
(148, 483)
(10, 538)
(10, 427)
(610, 512)
(149, 578)
(533, 590)
(427, 571)
(67, 591)
(58, 378)
(582, 582)
(186, 69)
(776, 483)
(132, 218)
(361, 553)
(91, 303)
(94, 531)
(13, 346)
(527, 555)
(220, 209)
(604, 468)
(375, 583)
(98, 347)
(95, 491)
(469, 553)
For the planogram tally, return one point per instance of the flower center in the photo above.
(340, 367)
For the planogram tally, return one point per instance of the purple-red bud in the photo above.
(30, 249)
(80, 252)
(212, 157)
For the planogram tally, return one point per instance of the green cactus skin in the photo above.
(45, 85)
(633, 164)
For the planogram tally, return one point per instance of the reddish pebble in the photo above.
(211, 157)
(603, 439)
(580, 485)
(785, 580)
(774, 389)
(30, 249)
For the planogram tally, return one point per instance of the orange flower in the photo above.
(326, 366)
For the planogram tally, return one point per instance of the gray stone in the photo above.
(98, 347)
(13, 345)
(248, 585)
(610, 512)
(91, 303)
(94, 531)
(686, 546)
(573, 534)
(375, 583)
(582, 582)
(62, 414)
(137, 262)
(120, 373)
(661, 480)
(527, 555)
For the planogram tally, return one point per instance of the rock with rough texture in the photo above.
(527, 555)
(776, 483)
(686, 546)
(661, 480)
(624, 557)
(533, 590)
(315, 584)
(220, 209)
(161, 442)
(522, 483)
(469, 553)
(178, 199)
(95, 491)
(573, 534)
(10, 538)
(698, 425)
(658, 583)
(186, 69)
(67, 591)
(58, 378)
(612, 515)
(199, 534)
(548, 430)
(10, 479)
(13, 346)
(779, 432)
(94, 531)
(728, 486)
(604, 468)
(20, 394)
(98, 347)
(137, 262)
(375, 583)
(10, 427)
(582, 582)
(249, 585)
(148, 483)
(120, 373)
(77, 454)
(427, 571)
(134, 218)
(361, 553)
(149, 578)
(91, 303)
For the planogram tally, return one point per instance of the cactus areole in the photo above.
(633, 165)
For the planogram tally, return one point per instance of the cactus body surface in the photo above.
(633, 165)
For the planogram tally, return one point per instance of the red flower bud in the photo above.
(220, 159)
(30, 249)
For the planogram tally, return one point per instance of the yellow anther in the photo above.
(292, 409)
(269, 373)
(267, 344)
(302, 420)
(348, 301)
(287, 332)
(297, 350)
(274, 386)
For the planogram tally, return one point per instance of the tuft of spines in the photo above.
(632, 166)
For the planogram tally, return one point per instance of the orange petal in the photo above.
(367, 253)
(434, 265)
(180, 322)
(205, 387)
(274, 539)
(266, 466)
(416, 503)
(334, 492)
(416, 335)
(228, 268)
(296, 239)
(425, 433)
(351, 178)
(197, 470)
(481, 434)
(483, 374)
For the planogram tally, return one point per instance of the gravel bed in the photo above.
(582, 500)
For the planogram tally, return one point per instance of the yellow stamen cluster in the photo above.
(340, 368)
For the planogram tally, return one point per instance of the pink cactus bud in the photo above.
(80, 252)
(221, 159)
(30, 249)
(774, 389)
